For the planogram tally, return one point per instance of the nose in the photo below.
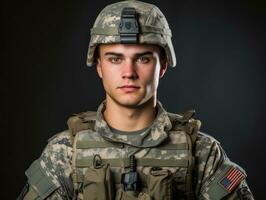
(129, 70)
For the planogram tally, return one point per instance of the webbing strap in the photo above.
(190, 126)
(113, 31)
(191, 161)
(117, 178)
(85, 144)
(76, 124)
(140, 162)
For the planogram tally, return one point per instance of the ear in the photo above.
(99, 68)
(163, 68)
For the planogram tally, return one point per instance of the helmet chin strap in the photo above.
(129, 26)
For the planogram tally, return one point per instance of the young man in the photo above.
(131, 148)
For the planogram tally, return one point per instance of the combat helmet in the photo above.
(131, 22)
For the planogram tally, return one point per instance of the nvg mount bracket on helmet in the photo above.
(129, 26)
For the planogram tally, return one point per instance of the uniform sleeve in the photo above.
(49, 177)
(216, 177)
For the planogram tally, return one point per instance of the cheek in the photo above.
(106, 78)
(109, 77)
(151, 76)
(107, 83)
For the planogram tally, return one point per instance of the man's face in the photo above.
(130, 73)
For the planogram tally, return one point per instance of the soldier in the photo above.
(131, 148)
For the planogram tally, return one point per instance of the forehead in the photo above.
(128, 48)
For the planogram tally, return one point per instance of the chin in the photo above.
(129, 103)
(134, 103)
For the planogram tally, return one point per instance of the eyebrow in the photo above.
(121, 55)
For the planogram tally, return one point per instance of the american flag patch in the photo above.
(232, 178)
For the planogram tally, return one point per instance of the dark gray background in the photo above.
(220, 48)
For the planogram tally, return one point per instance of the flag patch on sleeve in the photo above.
(232, 179)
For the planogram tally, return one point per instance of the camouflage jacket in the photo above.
(214, 175)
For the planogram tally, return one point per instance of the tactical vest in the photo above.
(164, 171)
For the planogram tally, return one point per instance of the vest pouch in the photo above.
(159, 183)
(98, 184)
(131, 195)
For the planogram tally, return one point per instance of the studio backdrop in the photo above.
(220, 72)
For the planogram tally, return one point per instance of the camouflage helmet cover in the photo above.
(153, 28)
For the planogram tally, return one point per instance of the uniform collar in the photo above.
(156, 134)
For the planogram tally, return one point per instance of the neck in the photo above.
(130, 118)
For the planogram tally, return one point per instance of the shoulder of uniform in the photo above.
(58, 149)
(226, 178)
(63, 137)
(81, 121)
(41, 182)
(189, 123)
(207, 147)
(43, 173)
(204, 138)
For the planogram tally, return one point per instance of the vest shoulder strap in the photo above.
(186, 123)
(81, 121)
(190, 126)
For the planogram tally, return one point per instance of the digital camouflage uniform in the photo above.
(51, 176)
(173, 159)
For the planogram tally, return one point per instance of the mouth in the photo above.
(129, 88)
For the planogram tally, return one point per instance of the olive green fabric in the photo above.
(131, 195)
(98, 184)
(39, 181)
(160, 184)
(84, 162)
(31, 194)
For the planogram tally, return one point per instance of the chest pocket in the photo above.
(98, 184)
(156, 173)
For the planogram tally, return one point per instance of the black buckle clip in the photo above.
(129, 27)
(130, 179)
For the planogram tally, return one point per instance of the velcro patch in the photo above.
(232, 178)
(40, 181)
